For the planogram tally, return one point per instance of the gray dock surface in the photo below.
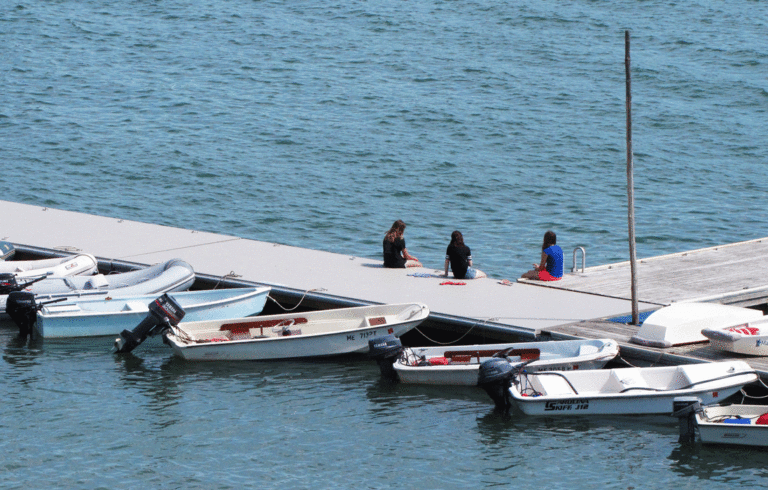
(735, 274)
(576, 307)
(520, 307)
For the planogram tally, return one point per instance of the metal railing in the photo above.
(583, 259)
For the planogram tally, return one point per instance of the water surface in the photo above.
(317, 124)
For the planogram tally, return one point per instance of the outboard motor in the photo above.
(385, 350)
(495, 377)
(22, 309)
(685, 408)
(164, 313)
(9, 283)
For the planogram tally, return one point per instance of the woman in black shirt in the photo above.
(459, 257)
(396, 256)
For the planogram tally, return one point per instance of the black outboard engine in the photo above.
(385, 350)
(164, 313)
(22, 309)
(685, 408)
(495, 377)
(10, 283)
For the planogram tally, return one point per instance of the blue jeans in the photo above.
(471, 273)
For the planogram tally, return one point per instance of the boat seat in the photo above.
(55, 308)
(524, 354)
(553, 385)
(135, 306)
(694, 375)
(623, 379)
(96, 282)
(244, 328)
(588, 350)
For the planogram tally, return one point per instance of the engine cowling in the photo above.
(164, 313)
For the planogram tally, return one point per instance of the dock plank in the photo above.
(730, 274)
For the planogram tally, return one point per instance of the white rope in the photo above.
(454, 341)
(300, 301)
(231, 274)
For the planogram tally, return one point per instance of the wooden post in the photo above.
(631, 185)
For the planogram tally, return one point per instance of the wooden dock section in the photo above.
(735, 274)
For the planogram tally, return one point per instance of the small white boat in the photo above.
(749, 338)
(627, 390)
(174, 275)
(743, 425)
(102, 316)
(459, 365)
(293, 335)
(682, 323)
(81, 264)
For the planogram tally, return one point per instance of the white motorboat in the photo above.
(174, 275)
(459, 365)
(682, 323)
(81, 264)
(284, 336)
(627, 390)
(92, 317)
(743, 425)
(749, 338)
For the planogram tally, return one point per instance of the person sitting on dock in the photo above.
(551, 266)
(459, 257)
(396, 256)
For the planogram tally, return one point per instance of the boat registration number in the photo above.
(566, 405)
(361, 335)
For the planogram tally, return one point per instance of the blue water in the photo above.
(317, 124)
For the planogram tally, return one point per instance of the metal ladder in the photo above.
(583, 259)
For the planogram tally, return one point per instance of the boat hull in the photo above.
(712, 430)
(682, 323)
(755, 346)
(100, 317)
(81, 264)
(564, 355)
(174, 275)
(628, 391)
(748, 338)
(318, 334)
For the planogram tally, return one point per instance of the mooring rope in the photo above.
(744, 393)
(300, 301)
(231, 274)
(465, 333)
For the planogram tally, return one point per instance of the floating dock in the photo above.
(585, 304)
(732, 274)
